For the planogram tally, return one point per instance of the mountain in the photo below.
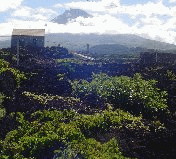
(5, 44)
(79, 41)
(110, 49)
(102, 44)
(69, 15)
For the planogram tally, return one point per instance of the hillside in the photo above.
(5, 44)
(110, 49)
(79, 41)
(57, 105)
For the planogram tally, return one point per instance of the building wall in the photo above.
(27, 41)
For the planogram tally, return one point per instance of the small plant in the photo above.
(2, 109)
(45, 98)
(171, 75)
(61, 76)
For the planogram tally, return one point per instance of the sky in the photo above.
(151, 19)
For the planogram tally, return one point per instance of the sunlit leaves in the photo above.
(4, 66)
(49, 127)
(124, 91)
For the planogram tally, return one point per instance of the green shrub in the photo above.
(90, 125)
(46, 128)
(45, 98)
(2, 110)
(1, 99)
(92, 149)
(5, 66)
(132, 94)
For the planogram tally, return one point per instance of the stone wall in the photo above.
(27, 42)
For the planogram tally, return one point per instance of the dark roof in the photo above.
(29, 32)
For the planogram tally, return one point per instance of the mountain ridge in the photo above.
(69, 15)
(79, 41)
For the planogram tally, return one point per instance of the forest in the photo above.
(56, 105)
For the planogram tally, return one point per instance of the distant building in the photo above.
(31, 38)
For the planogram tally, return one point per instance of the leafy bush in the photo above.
(2, 110)
(1, 99)
(67, 132)
(133, 94)
(90, 148)
(45, 98)
(4, 67)
(9, 81)
(90, 125)
(3, 64)
(37, 136)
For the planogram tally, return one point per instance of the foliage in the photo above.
(2, 113)
(1, 99)
(5, 66)
(2, 110)
(91, 124)
(78, 61)
(171, 75)
(91, 149)
(33, 137)
(9, 80)
(45, 98)
(68, 60)
(70, 132)
(133, 94)
(69, 67)
(61, 76)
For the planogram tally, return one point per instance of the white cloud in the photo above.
(152, 21)
(5, 29)
(158, 34)
(27, 13)
(59, 5)
(148, 19)
(172, 1)
(101, 24)
(147, 9)
(23, 11)
(9, 4)
(99, 6)
(170, 25)
(27, 24)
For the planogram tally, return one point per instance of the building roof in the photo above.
(29, 32)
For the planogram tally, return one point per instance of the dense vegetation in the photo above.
(64, 110)
(132, 94)
(65, 133)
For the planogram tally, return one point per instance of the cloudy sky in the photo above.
(152, 19)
